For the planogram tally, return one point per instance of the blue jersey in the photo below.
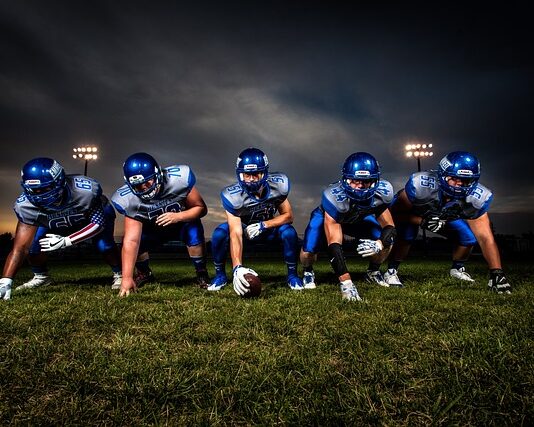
(178, 180)
(251, 210)
(84, 204)
(422, 189)
(347, 211)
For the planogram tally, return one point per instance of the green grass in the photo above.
(436, 352)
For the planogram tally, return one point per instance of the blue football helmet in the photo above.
(252, 161)
(360, 166)
(461, 165)
(140, 168)
(43, 181)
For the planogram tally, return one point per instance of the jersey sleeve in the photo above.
(329, 204)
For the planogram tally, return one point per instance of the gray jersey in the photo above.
(251, 210)
(85, 204)
(422, 189)
(347, 211)
(178, 180)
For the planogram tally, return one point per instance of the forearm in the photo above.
(14, 261)
(129, 255)
(279, 220)
(236, 249)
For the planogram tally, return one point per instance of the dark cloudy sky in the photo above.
(309, 83)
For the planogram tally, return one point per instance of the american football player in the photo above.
(356, 206)
(256, 206)
(56, 211)
(449, 201)
(159, 205)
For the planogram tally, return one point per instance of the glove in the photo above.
(498, 282)
(5, 288)
(368, 247)
(53, 242)
(254, 230)
(433, 223)
(241, 286)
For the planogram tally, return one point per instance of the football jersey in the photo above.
(251, 210)
(423, 190)
(178, 180)
(85, 203)
(347, 211)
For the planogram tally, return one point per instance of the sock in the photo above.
(457, 264)
(116, 269)
(373, 267)
(291, 268)
(143, 266)
(220, 268)
(200, 263)
(308, 269)
(40, 270)
(394, 265)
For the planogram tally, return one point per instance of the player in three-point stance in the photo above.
(356, 206)
(159, 205)
(449, 201)
(56, 211)
(256, 206)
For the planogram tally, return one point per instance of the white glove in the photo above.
(368, 247)
(53, 242)
(5, 288)
(254, 230)
(241, 286)
(433, 223)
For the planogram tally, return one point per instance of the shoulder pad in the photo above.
(385, 191)
(480, 197)
(280, 182)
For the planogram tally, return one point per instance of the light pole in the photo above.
(418, 150)
(86, 153)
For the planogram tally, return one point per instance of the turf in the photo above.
(436, 352)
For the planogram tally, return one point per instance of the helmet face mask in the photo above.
(143, 175)
(360, 176)
(458, 173)
(252, 170)
(43, 182)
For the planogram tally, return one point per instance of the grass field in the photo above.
(436, 352)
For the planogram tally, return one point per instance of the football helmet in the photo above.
(461, 165)
(140, 168)
(43, 181)
(363, 167)
(252, 160)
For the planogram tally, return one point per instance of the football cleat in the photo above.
(218, 282)
(349, 291)
(141, 278)
(203, 279)
(461, 274)
(117, 281)
(37, 280)
(392, 278)
(308, 280)
(376, 277)
(294, 282)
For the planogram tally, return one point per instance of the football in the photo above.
(255, 286)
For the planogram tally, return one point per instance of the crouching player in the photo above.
(356, 206)
(159, 205)
(449, 201)
(56, 211)
(257, 206)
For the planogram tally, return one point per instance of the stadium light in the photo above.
(418, 150)
(85, 153)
